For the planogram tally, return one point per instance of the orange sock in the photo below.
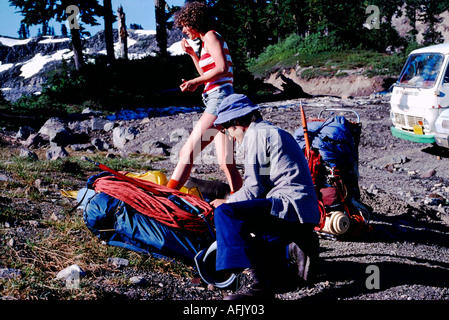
(173, 184)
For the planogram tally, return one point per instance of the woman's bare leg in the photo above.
(224, 146)
(196, 142)
(202, 135)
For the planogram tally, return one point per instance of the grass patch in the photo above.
(59, 245)
(326, 56)
(65, 171)
(40, 246)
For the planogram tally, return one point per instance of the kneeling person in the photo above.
(275, 209)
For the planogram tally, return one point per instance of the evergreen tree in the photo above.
(34, 12)
(386, 35)
(135, 26)
(45, 28)
(287, 17)
(411, 12)
(63, 30)
(37, 12)
(242, 25)
(161, 27)
(430, 11)
(24, 31)
(108, 37)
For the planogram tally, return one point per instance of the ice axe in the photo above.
(123, 177)
(306, 132)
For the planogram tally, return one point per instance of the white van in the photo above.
(420, 98)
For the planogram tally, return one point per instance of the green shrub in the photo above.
(293, 49)
(327, 54)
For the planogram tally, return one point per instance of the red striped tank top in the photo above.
(207, 63)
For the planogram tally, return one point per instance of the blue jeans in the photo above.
(237, 222)
(212, 100)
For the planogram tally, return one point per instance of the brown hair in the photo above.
(245, 120)
(195, 15)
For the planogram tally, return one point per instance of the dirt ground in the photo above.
(405, 183)
(408, 239)
(405, 254)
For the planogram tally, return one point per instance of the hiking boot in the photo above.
(259, 290)
(304, 264)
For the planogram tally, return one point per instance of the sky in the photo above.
(137, 11)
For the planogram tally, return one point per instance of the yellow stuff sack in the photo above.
(159, 178)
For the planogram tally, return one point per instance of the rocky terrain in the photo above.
(406, 185)
(25, 63)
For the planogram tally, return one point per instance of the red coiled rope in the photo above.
(155, 204)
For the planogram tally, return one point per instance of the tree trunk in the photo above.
(161, 30)
(77, 48)
(123, 35)
(108, 37)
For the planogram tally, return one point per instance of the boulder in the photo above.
(155, 148)
(35, 140)
(24, 132)
(60, 137)
(121, 135)
(89, 111)
(100, 144)
(98, 123)
(109, 126)
(52, 124)
(54, 153)
(83, 126)
(74, 271)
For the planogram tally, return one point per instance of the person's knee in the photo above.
(222, 214)
(228, 165)
(222, 210)
(186, 155)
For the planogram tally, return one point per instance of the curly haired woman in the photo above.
(216, 74)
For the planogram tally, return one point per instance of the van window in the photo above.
(446, 75)
(421, 70)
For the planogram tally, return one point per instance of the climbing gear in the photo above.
(330, 146)
(152, 200)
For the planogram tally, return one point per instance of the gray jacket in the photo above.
(276, 169)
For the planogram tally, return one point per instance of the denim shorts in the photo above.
(212, 100)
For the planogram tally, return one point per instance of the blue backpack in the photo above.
(336, 172)
(333, 138)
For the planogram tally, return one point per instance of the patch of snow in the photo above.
(175, 49)
(10, 42)
(34, 65)
(54, 40)
(136, 56)
(4, 67)
(131, 56)
(145, 32)
(131, 42)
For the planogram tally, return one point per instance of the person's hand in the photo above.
(215, 203)
(186, 47)
(189, 85)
